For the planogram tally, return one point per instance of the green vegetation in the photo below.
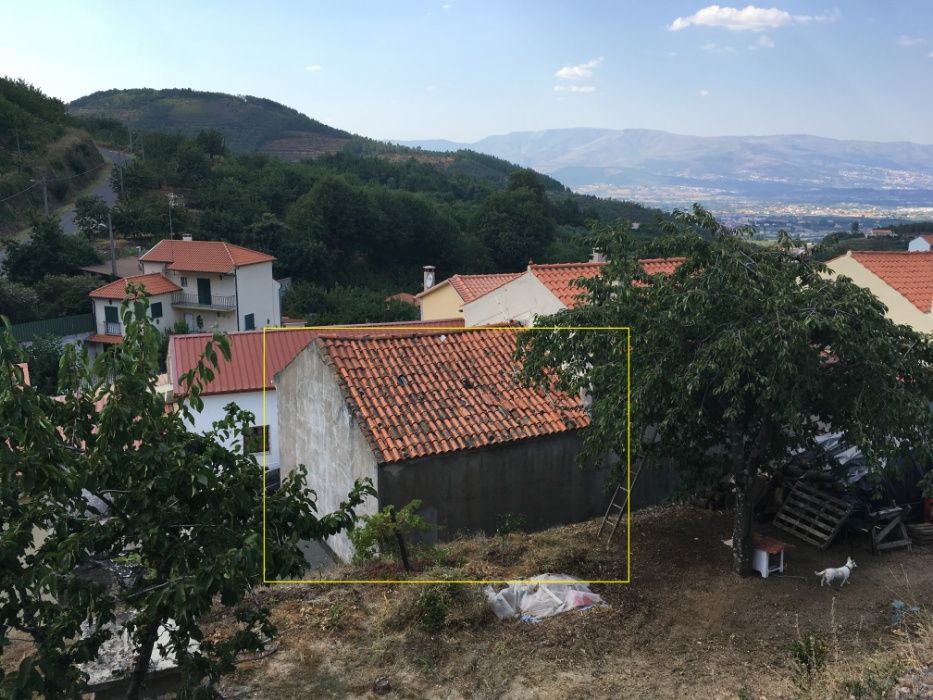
(377, 534)
(39, 141)
(47, 252)
(743, 353)
(836, 244)
(183, 514)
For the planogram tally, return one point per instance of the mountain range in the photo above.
(671, 169)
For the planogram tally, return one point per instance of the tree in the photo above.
(44, 355)
(90, 212)
(741, 355)
(66, 295)
(516, 226)
(18, 302)
(211, 142)
(129, 481)
(47, 252)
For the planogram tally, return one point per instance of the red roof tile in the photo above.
(928, 237)
(471, 287)
(244, 371)
(154, 283)
(434, 393)
(911, 274)
(105, 339)
(203, 256)
(559, 277)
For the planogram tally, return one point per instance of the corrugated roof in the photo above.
(244, 371)
(431, 394)
(204, 256)
(154, 283)
(911, 274)
(559, 277)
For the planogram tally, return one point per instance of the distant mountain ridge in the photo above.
(640, 162)
(249, 124)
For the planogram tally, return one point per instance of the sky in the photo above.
(463, 70)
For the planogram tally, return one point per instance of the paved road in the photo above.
(102, 190)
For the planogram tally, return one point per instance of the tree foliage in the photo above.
(740, 356)
(106, 473)
(91, 216)
(47, 252)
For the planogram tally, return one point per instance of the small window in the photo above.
(250, 322)
(156, 309)
(256, 439)
(184, 281)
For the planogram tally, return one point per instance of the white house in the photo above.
(204, 284)
(542, 290)
(921, 244)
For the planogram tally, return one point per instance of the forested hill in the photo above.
(248, 124)
(39, 140)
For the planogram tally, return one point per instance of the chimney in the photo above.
(139, 251)
(428, 277)
(186, 237)
(598, 256)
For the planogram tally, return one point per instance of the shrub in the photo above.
(376, 535)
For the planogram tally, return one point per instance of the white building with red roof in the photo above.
(903, 281)
(206, 285)
(542, 290)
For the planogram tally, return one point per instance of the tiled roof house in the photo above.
(441, 417)
(445, 299)
(542, 290)
(203, 284)
(903, 281)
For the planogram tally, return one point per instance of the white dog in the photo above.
(830, 575)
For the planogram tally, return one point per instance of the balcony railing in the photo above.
(112, 329)
(196, 301)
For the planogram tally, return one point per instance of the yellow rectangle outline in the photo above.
(462, 329)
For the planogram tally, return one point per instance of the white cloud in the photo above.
(446, 7)
(905, 40)
(313, 68)
(716, 48)
(930, 55)
(672, 54)
(765, 42)
(704, 93)
(579, 72)
(747, 19)
(574, 88)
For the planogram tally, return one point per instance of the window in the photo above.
(184, 281)
(111, 314)
(156, 309)
(249, 321)
(256, 439)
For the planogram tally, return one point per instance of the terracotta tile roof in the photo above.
(471, 287)
(431, 394)
(244, 371)
(558, 278)
(126, 267)
(154, 283)
(203, 256)
(911, 274)
(105, 339)
(928, 237)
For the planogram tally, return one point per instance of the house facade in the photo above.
(206, 285)
(902, 281)
(921, 244)
(446, 299)
(440, 417)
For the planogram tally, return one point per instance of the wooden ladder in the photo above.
(615, 513)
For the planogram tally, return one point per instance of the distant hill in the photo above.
(39, 141)
(660, 167)
(249, 124)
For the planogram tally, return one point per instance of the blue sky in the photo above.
(462, 70)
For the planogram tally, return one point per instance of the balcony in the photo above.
(113, 329)
(184, 300)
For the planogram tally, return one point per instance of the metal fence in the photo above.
(60, 327)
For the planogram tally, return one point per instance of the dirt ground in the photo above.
(684, 627)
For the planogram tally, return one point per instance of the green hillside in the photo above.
(249, 124)
(39, 140)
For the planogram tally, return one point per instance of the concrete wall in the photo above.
(519, 300)
(467, 491)
(900, 310)
(249, 401)
(317, 429)
(258, 294)
(441, 301)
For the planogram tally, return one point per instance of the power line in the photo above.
(54, 179)
(19, 193)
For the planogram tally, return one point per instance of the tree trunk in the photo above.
(742, 526)
(144, 656)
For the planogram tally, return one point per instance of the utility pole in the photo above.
(171, 204)
(121, 177)
(113, 252)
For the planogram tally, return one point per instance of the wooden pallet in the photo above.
(812, 515)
